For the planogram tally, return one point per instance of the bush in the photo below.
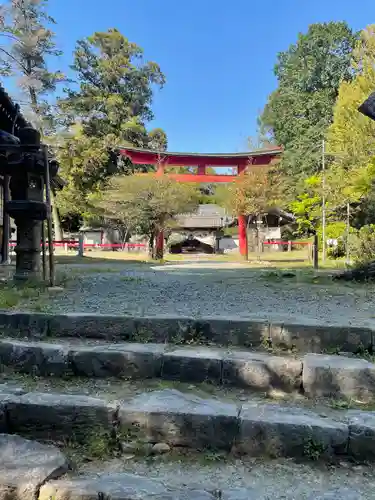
(335, 252)
(362, 244)
(335, 231)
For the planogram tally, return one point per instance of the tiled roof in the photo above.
(207, 216)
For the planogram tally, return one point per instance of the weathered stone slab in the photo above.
(5, 399)
(229, 331)
(338, 377)
(181, 419)
(36, 358)
(240, 494)
(116, 486)
(276, 431)
(23, 324)
(262, 371)
(130, 360)
(93, 326)
(313, 338)
(12, 388)
(25, 465)
(194, 365)
(59, 416)
(361, 434)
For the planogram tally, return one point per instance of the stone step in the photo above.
(185, 420)
(249, 333)
(30, 470)
(26, 465)
(122, 486)
(316, 375)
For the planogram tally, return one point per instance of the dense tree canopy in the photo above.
(110, 108)
(115, 88)
(27, 44)
(299, 111)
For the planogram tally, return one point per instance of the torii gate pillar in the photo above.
(242, 235)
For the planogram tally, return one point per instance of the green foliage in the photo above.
(28, 44)
(362, 244)
(115, 93)
(351, 135)
(143, 204)
(334, 230)
(314, 450)
(252, 194)
(301, 108)
(307, 207)
(112, 106)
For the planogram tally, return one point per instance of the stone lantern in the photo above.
(24, 162)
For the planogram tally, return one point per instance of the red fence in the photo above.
(75, 244)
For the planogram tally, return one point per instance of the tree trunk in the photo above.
(151, 246)
(56, 219)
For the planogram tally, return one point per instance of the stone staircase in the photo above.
(70, 380)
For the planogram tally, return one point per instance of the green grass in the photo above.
(12, 296)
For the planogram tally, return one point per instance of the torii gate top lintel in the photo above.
(163, 159)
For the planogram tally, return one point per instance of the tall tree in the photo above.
(115, 88)
(351, 137)
(28, 41)
(299, 111)
(145, 205)
(110, 108)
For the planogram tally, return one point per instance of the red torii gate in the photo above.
(163, 159)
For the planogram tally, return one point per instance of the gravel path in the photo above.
(212, 289)
(254, 479)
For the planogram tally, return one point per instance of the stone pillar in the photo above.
(159, 245)
(242, 234)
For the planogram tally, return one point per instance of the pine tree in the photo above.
(27, 42)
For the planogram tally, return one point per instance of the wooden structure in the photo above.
(201, 162)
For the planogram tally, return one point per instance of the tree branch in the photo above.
(11, 37)
(15, 60)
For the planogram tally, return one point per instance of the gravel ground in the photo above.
(212, 289)
(254, 479)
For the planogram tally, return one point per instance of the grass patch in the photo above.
(12, 295)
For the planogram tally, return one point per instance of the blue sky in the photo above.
(218, 56)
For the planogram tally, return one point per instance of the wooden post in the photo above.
(5, 259)
(159, 250)
(315, 248)
(80, 245)
(49, 218)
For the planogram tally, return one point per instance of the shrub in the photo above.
(335, 231)
(362, 244)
